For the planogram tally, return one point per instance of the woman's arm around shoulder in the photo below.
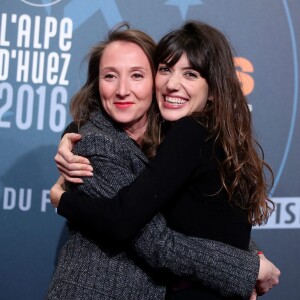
(124, 215)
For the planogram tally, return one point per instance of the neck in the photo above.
(137, 130)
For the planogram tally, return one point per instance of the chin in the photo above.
(172, 116)
(121, 120)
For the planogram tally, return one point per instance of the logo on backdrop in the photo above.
(35, 55)
(38, 3)
(286, 214)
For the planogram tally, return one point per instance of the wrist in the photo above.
(263, 270)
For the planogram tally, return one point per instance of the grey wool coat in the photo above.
(87, 270)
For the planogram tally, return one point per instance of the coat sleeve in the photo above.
(229, 270)
(253, 247)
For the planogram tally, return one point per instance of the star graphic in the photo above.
(80, 12)
(184, 5)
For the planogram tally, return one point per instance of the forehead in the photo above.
(178, 59)
(124, 52)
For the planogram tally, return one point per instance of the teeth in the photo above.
(177, 101)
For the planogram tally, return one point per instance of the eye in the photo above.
(163, 69)
(108, 76)
(191, 74)
(137, 76)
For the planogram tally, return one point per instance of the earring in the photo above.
(160, 120)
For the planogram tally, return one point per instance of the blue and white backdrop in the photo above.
(42, 49)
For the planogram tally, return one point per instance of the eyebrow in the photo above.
(184, 68)
(111, 68)
(190, 68)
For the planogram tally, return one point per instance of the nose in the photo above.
(173, 82)
(123, 89)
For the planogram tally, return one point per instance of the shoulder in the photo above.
(185, 135)
(100, 136)
(187, 128)
(101, 127)
(188, 122)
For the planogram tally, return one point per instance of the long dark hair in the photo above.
(227, 114)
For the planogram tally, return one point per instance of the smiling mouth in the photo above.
(174, 101)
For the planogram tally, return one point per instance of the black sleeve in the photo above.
(71, 128)
(121, 217)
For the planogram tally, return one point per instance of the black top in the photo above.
(182, 181)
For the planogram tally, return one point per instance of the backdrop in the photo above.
(42, 49)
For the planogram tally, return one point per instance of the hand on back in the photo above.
(71, 166)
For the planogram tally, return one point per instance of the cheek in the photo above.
(145, 92)
(105, 96)
(159, 83)
(146, 103)
(199, 103)
(201, 96)
(106, 90)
